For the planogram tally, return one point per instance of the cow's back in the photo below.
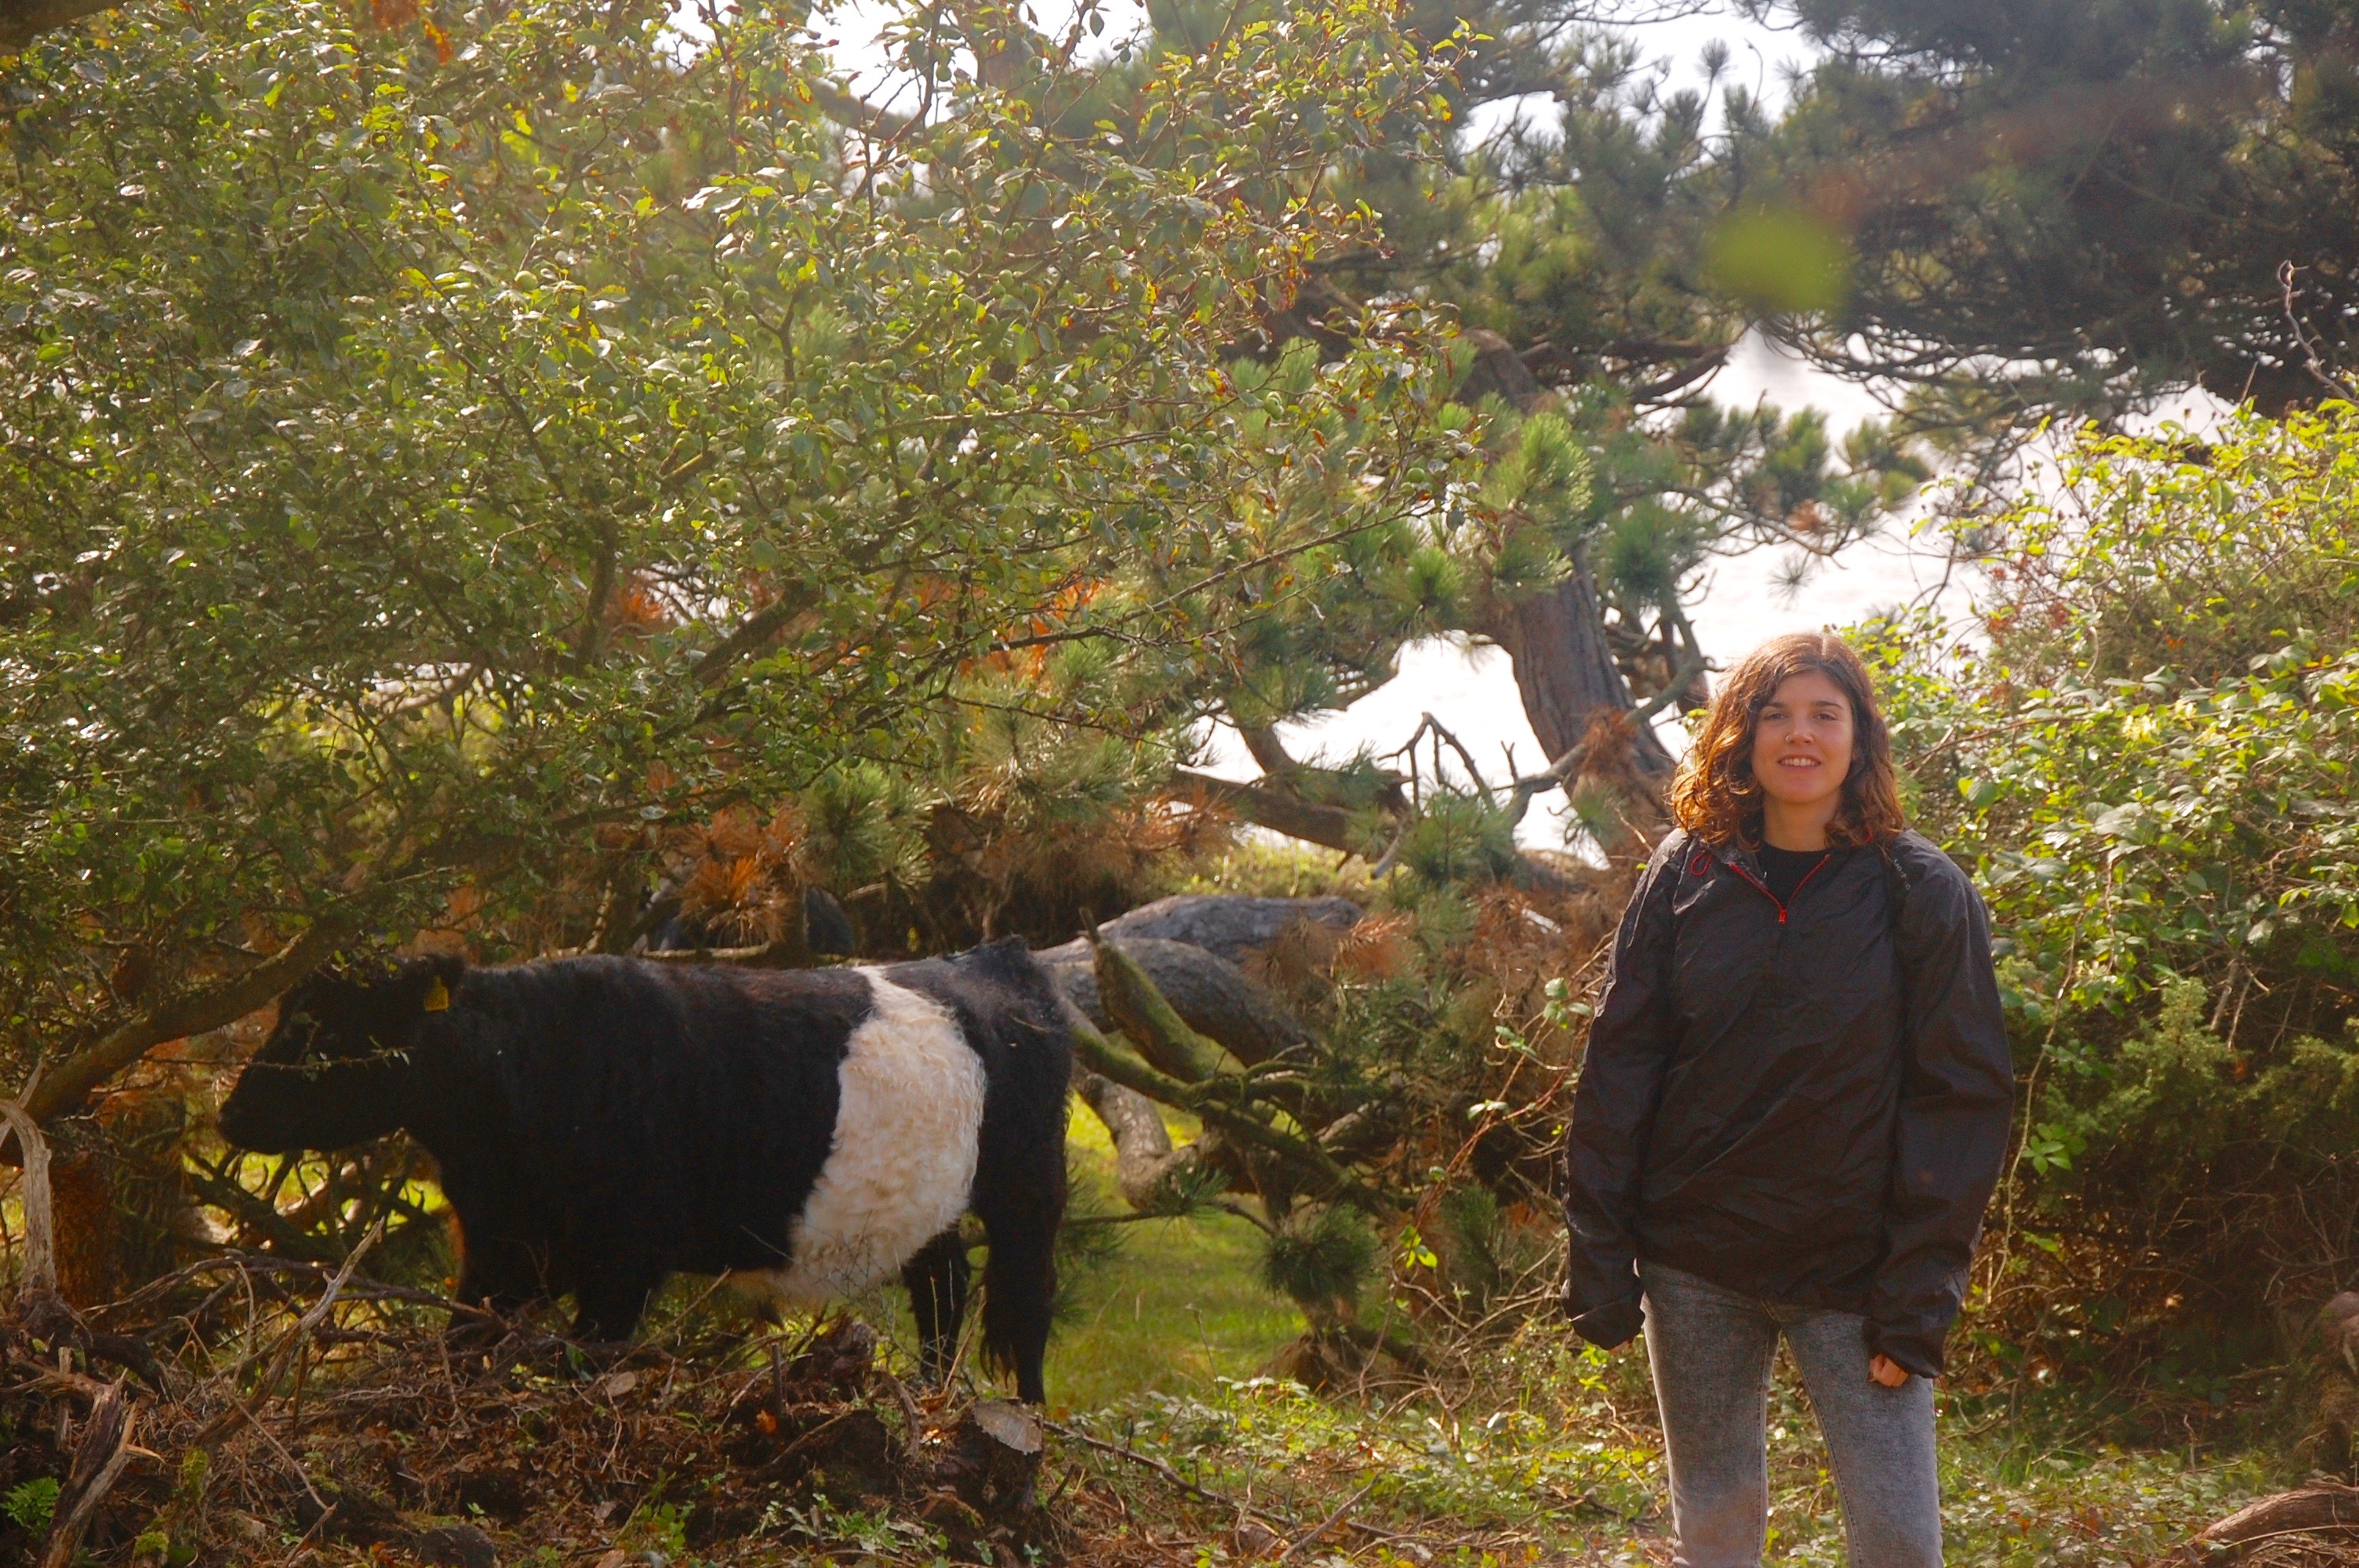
(686, 1109)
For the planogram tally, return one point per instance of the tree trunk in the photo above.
(89, 1222)
(1564, 671)
(1564, 667)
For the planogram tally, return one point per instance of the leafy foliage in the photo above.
(31, 1503)
(1598, 230)
(2074, 208)
(2149, 762)
(1320, 1259)
(447, 452)
(2147, 767)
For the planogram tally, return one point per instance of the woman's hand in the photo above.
(1886, 1371)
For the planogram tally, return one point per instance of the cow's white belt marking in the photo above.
(902, 1164)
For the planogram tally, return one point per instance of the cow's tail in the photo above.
(1020, 1196)
(1019, 1291)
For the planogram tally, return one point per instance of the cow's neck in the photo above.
(460, 1114)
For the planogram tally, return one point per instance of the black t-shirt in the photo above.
(1784, 870)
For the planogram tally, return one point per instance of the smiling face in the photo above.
(1793, 752)
(1802, 742)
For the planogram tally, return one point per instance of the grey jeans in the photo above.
(1711, 1350)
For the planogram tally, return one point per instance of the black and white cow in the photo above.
(602, 1121)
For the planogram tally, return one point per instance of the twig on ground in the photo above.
(1330, 1522)
(1200, 1493)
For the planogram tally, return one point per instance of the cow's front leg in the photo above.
(936, 1278)
(500, 1275)
(609, 1297)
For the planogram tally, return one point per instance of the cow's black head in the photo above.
(341, 1068)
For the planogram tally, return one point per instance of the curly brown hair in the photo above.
(1716, 795)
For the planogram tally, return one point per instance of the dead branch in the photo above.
(2310, 360)
(285, 1351)
(105, 1450)
(1145, 1163)
(40, 1275)
(1318, 1532)
(1427, 724)
(1149, 1461)
(1101, 1056)
(789, 951)
(2327, 1511)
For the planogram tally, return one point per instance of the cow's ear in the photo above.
(429, 984)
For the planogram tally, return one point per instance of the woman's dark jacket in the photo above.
(1808, 1103)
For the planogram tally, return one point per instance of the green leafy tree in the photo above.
(1587, 267)
(2074, 208)
(443, 448)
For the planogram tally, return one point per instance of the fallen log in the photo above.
(2328, 1513)
(1148, 1169)
(1235, 927)
(1209, 993)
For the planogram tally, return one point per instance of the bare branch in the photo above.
(752, 633)
(23, 21)
(40, 1275)
(63, 1088)
(860, 115)
(2310, 362)
(1427, 723)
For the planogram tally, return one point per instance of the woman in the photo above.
(1794, 1107)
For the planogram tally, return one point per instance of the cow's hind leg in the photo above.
(937, 1281)
(1019, 1293)
(500, 1276)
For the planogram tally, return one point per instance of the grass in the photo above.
(1555, 1451)
(1175, 1308)
(1573, 1473)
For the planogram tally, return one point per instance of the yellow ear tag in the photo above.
(438, 997)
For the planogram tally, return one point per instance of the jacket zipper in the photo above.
(1798, 886)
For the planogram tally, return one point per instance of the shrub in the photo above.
(2147, 768)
